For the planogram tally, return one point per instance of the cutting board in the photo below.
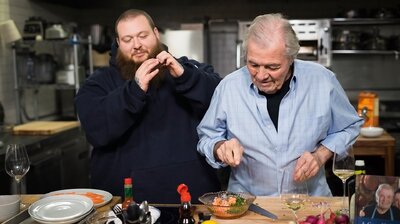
(44, 127)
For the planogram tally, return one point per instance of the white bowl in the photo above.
(371, 131)
(9, 206)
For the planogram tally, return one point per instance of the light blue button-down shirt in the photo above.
(315, 111)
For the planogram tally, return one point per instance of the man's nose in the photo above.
(263, 72)
(136, 43)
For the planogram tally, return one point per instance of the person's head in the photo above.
(270, 45)
(397, 198)
(138, 40)
(384, 196)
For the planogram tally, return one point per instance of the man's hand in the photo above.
(146, 72)
(173, 66)
(229, 152)
(308, 164)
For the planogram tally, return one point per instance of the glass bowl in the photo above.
(226, 204)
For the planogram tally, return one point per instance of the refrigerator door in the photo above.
(188, 43)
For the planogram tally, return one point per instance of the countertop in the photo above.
(272, 204)
(30, 141)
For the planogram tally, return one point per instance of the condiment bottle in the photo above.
(368, 108)
(358, 170)
(128, 193)
(185, 209)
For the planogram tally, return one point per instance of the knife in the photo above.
(257, 209)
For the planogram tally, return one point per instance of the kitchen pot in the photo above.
(33, 68)
(346, 40)
(375, 41)
(45, 68)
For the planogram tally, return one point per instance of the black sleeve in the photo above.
(197, 83)
(108, 106)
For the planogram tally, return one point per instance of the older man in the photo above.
(275, 111)
(383, 209)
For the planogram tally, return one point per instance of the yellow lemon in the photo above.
(209, 222)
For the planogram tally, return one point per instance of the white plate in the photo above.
(75, 220)
(81, 191)
(60, 208)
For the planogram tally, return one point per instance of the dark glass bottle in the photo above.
(185, 209)
(359, 169)
(128, 193)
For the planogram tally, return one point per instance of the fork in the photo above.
(118, 212)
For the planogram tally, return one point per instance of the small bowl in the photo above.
(227, 211)
(371, 131)
(9, 206)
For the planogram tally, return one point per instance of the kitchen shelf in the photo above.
(50, 86)
(365, 21)
(371, 52)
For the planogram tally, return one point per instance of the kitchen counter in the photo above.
(59, 160)
(382, 146)
(272, 204)
(30, 199)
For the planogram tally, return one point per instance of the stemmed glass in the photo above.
(17, 164)
(343, 167)
(293, 193)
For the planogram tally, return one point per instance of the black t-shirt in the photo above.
(392, 212)
(274, 101)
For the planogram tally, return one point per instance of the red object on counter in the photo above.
(128, 193)
(185, 209)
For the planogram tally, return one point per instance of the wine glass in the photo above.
(293, 193)
(17, 164)
(343, 167)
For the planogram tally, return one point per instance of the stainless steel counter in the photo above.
(57, 161)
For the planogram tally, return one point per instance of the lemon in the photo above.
(209, 222)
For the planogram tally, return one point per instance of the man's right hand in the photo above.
(229, 152)
(146, 72)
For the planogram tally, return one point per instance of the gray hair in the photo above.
(265, 28)
(380, 187)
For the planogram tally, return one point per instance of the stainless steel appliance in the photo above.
(315, 40)
(34, 28)
(314, 36)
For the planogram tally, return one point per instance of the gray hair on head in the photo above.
(264, 29)
(380, 187)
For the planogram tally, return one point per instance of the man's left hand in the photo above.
(173, 66)
(307, 166)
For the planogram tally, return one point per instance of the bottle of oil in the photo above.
(128, 193)
(185, 209)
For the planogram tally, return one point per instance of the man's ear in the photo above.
(116, 42)
(156, 32)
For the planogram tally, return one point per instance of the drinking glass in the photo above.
(343, 167)
(17, 164)
(293, 194)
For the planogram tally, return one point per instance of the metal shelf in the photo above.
(365, 21)
(372, 52)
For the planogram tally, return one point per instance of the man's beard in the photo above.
(128, 67)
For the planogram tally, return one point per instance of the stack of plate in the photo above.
(63, 209)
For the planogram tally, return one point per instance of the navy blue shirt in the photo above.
(151, 136)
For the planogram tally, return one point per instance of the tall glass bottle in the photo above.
(128, 193)
(185, 209)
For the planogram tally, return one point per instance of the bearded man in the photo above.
(140, 115)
